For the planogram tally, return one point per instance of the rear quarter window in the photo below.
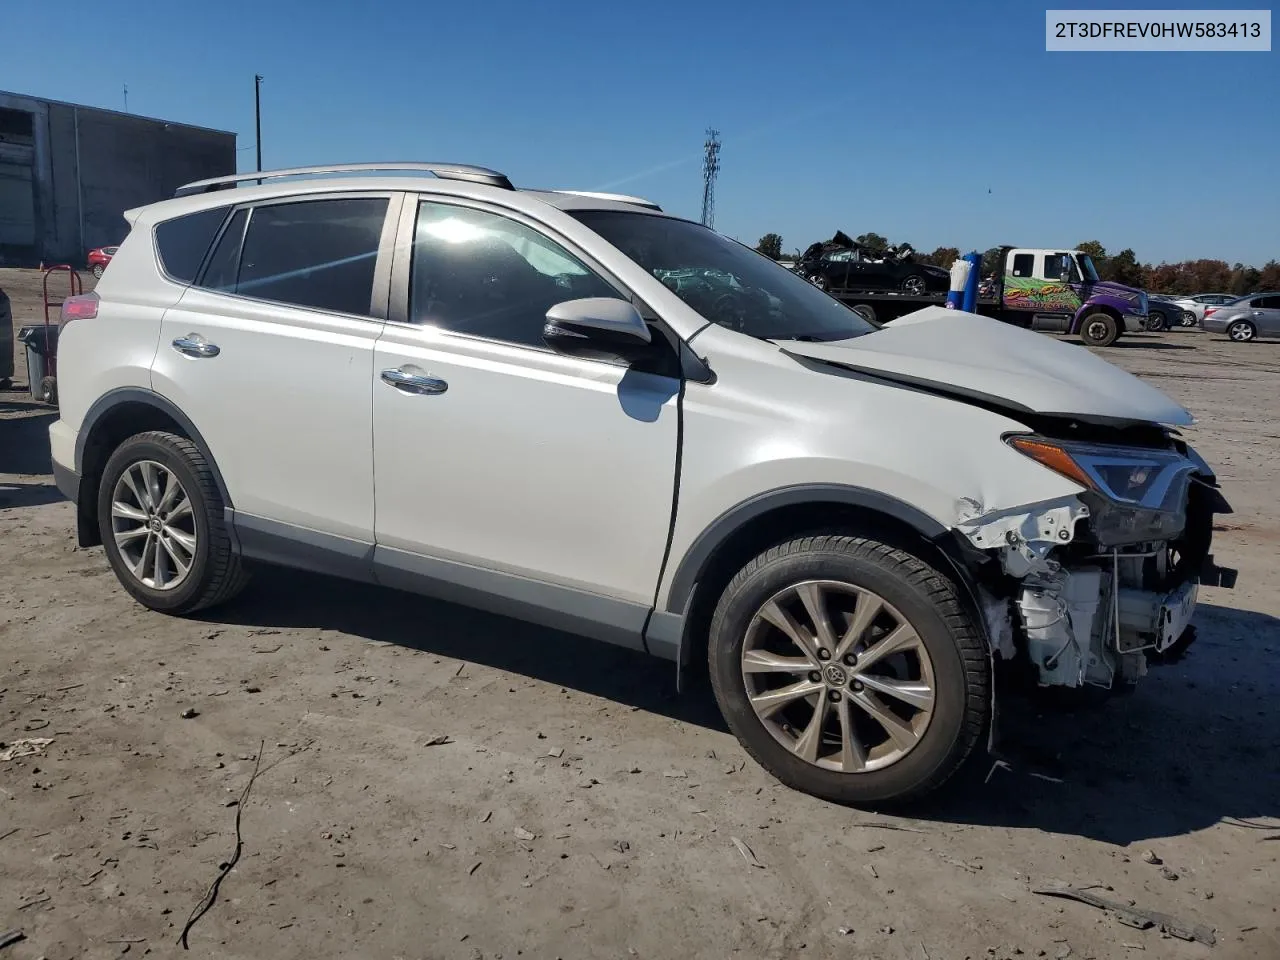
(182, 242)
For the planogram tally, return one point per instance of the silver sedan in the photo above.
(1250, 317)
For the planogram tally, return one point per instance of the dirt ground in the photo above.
(579, 808)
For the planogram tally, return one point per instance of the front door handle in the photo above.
(194, 345)
(414, 382)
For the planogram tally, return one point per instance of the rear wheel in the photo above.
(819, 281)
(97, 270)
(866, 311)
(1242, 331)
(849, 669)
(1099, 329)
(161, 520)
(1188, 318)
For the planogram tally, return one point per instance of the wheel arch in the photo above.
(113, 418)
(1087, 308)
(767, 519)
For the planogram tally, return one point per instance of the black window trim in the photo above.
(402, 269)
(378, 301)
(155, 242)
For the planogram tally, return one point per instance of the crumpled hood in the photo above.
(972, 356)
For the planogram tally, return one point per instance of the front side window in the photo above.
(489, 276)
(312, 253)
(724, 281)
(1267, 303)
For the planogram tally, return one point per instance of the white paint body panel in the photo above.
(985, 357)
(285, 407)
(531, 463)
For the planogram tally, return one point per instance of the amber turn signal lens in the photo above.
(1053, 457)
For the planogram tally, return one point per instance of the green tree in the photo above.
(991, 262)
(1094, 249)
(771, 246)
(1124, 268)
(1245, 279)
(942, 257)
(873, 242)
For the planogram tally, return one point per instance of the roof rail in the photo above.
(445, 171)
(618, 197)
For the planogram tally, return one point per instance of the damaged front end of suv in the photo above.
(1090, 590)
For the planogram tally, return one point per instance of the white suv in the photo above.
(578, 410)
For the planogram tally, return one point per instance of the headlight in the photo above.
(1147, 479)
(1134, 495)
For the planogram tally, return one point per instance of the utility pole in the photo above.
(126, 98)
(710, 168)
(257, 118)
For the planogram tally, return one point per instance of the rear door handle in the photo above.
(194, 345)
(414, 382)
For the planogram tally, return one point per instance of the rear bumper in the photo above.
(1214, 324)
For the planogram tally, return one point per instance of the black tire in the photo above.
(928, 600)
(819, 281)
(216, 573)
(1241, 331)
(1099, 329)
(5, 383)
(49, 389)
(1157, 321)
(866, 311)
(1189, 319)
(97, 271)
(915, 286)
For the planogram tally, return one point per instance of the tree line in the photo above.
(1186, 277)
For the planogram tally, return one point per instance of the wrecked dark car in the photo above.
(842, 263)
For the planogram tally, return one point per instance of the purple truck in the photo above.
(1053, 290)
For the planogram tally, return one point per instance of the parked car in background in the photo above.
(843, 264)
(99, 257)
(1245, 319)
(1193, 307)
(1162, 313)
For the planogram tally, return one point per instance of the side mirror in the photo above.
(597, 328)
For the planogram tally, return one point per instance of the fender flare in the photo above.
(121, 395)
(694, 562)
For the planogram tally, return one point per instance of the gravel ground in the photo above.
(438, 782)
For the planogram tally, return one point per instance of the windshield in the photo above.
(1086, 264)
(726, 282)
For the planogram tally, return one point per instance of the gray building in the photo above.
(68, 172)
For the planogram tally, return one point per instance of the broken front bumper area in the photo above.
(1084, 592)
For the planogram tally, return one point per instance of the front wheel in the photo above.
(849, 669)
(1189, 319)
(914, 286)
(866, 311)
(98, 271)
(161, 519)
(819, 281)
(1099, 329)
(1242, 331)
(1157, 322)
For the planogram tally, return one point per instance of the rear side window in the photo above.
(224, 266)
(313, 253)
(183, 241)
(1023, 264)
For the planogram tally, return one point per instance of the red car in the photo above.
(99, 258)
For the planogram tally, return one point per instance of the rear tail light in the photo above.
(81, 307)
(1209, 310)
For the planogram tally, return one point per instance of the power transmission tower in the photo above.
(710, 168)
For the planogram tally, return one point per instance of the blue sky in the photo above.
(933, 122)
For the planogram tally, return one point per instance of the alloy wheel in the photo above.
(838, 676)
(1241, 331)
(153, 525)
(914, 286)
